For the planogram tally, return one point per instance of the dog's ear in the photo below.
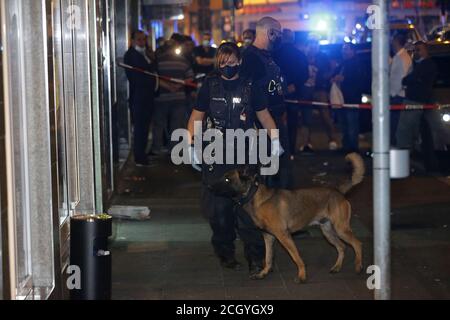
(243, 172)
(247, 172)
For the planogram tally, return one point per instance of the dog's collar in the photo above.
(249, 194)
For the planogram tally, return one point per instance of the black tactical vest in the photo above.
(229, 109)
(274, 83)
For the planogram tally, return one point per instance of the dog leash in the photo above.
(250, 194)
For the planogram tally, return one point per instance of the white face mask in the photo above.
(248, 41)
(140, 49)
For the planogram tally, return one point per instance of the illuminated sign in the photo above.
(262, 2)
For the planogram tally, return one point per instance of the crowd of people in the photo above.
(268, 69)
(308, 73)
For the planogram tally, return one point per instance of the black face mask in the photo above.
(229, 71)
(276, 43)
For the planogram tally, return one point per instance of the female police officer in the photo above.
(227, 101)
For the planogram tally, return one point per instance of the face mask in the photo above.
(140, 49)
(276, 43)
(206, 43)
(248, 42)
(230, 71)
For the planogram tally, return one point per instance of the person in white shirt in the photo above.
(400, 67)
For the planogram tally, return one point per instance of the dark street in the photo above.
(170, 255)
(232, 150)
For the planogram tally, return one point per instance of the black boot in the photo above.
(230, 263)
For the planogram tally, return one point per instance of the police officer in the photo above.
(259, 66)
(228, 101)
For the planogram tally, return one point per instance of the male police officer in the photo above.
(258, 65)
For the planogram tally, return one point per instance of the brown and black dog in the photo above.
(282, 212)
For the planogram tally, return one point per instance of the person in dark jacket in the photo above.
(419, 90)
(219, 112)
(317, 88)
(248, 37)
(294, 68)
(350, 77)
(259, 66)
(142, 93)
(204, 55)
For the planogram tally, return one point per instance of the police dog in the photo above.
(282, 212)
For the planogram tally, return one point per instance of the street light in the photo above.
(322, 25)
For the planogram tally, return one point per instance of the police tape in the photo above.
(367, 106)
(186, 83)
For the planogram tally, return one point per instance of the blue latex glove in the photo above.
(277, 149)
(195, 162)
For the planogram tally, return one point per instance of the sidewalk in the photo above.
(170, 257)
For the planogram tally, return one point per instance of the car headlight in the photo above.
(446, 117)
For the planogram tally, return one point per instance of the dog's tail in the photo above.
(357, 174)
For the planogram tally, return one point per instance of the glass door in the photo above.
(19, 154)
(27, 109)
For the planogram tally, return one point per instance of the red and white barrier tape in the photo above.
(174, 80)
(369, 106)
(300, 102)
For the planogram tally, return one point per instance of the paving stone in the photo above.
(170, 255)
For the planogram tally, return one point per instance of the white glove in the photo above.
(277, 149)
(195, 162)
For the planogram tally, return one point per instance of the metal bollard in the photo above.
(89, 251)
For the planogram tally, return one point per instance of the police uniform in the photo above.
(259, 66)
(229, 104)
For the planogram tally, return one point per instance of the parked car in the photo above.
(443, 37)
(439, 32)
(441, 92)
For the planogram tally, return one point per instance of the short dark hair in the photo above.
(226, 50)
(401, 38)
(187, 38)
(251, 31)
(135, 33)
(177, 37)
(421, 43)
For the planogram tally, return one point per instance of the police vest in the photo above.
(229, 109)
(274, 82)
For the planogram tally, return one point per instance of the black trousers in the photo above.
(292, 123)
(225, 218)
(284, 179)
(141, 113)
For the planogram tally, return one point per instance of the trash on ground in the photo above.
(322, 174)
(130, 212)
